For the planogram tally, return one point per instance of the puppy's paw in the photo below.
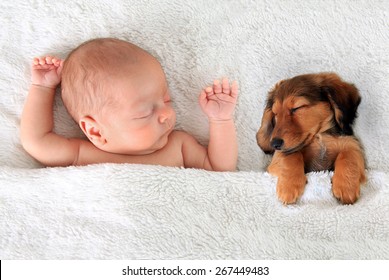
(346, 189)
(290, 189)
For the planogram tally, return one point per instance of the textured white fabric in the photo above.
(136, 211)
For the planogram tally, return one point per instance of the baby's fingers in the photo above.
(217, 87)
(46, 60)
(36, 61)
(203, 99)
(234, 89)
(53, 60)
(226, 86)
(209, 92)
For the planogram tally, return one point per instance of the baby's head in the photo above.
(118, 94)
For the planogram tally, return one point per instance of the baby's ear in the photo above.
(92, 130)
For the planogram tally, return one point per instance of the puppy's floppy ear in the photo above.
(344, 99)
(265, 131)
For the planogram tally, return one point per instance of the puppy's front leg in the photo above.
(291, 177)
(349, 174)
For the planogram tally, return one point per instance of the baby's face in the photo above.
(142, 118)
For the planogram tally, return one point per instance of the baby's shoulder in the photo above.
(181, 138)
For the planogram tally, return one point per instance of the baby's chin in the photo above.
(163, 140)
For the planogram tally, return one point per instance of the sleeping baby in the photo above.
(118, 95)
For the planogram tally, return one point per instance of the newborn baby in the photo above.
(118, 94)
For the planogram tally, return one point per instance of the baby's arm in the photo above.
(218, 103)
(36, 128)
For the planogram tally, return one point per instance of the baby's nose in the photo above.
(165, 114)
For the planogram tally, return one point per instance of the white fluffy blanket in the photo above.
(128, 211)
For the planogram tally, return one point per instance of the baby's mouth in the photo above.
(170, 124)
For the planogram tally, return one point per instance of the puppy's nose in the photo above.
(277, 143)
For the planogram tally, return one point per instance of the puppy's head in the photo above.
(299, 108)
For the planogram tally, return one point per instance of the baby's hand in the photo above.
(46, 71)
(218, 102)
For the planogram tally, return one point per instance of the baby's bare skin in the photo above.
(144, 136)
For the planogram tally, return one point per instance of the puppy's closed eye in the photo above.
(293, 110)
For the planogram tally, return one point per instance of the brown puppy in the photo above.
(307, 125)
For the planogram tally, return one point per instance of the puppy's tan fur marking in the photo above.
(307, 124)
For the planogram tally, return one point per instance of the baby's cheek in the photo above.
(144, 138)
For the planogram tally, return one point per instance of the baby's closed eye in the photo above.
(144, 115)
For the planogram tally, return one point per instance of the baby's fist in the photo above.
(46, 71)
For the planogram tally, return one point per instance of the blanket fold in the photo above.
(151, 212)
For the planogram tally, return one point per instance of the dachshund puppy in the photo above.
(307, 126)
